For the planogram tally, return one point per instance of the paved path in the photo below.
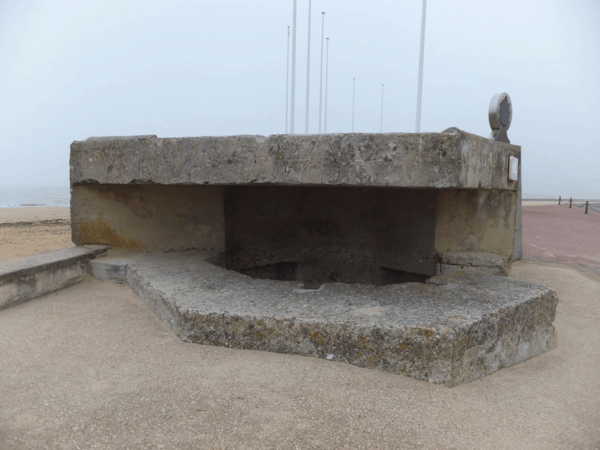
(559, 234)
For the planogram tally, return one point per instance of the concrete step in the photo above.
(113, 266)
(23, 279)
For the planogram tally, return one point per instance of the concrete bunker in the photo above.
(397, 240)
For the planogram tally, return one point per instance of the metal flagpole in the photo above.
(287, 82)
(420, 88)
(321, 83)
(353, 86)
(308, 70)
(293, 96)
(326, 76)
(381, 127)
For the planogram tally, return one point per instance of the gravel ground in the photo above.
(92, 367)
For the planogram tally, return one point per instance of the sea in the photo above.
(40, 196)
(53, 196)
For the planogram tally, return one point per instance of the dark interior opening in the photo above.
(283, 271)
(288, 271)
(324, 234)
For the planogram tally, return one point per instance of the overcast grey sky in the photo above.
(70, 69)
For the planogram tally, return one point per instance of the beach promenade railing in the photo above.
(581, 205)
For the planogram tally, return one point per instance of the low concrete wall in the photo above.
(29, 277)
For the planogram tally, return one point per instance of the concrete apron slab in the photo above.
(29, 277)
(455, 328)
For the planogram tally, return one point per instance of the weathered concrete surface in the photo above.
(153, 218)
(427, 160)
(454, 329)
(476, 221)
(451, 262)
(112, 268)
(23, 279)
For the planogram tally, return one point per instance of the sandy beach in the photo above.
(33, 214)
(93, 367)
(24, 231)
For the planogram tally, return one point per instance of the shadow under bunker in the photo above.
(317, 234)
